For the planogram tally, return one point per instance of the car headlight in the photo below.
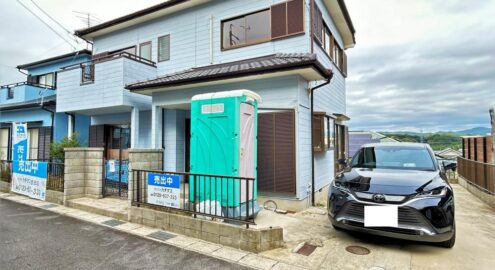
(340, 186)
(437, 192)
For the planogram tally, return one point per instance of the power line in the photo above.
(59, 24)
(46, 24)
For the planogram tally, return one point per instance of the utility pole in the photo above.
(492, 120)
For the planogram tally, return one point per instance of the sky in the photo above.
(418, 64)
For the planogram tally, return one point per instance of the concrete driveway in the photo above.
(474, 249)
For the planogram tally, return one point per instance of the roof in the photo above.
(49, 100)
(143, 15)
(253, 66)
(53, 59)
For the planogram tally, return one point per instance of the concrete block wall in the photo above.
(142, 159)
(4, 186)
(54, 196)
(83, 173)
(252, 240)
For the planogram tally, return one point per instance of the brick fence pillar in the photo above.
(142, 159)
(83, 173)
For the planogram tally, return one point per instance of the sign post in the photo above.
(164, 189)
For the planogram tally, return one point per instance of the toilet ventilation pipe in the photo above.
(311, 91)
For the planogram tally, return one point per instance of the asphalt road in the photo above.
(33, 238)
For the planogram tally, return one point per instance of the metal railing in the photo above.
(217, 196)
(13, 85)
(109, 57)
(55, 180)
(479, 174)
(56, 174)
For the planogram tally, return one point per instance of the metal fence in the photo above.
(55, 179)
(56, 174)
(479, 174)
(224, 197)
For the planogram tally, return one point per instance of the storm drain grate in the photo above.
(306, 249)
(113, 222)
(48, 206)
(161, 235)
(358, 250)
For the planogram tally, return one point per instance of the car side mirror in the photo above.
(342, 161)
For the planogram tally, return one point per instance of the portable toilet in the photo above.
(223, 142)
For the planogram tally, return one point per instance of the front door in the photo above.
(116, 162)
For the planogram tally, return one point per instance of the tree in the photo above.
(57, 152)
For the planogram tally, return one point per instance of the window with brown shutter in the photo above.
(318, 135)
(276, 152)
(44, 140)
(295, 17)
(98, 135)
(280, 20)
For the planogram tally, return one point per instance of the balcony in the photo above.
(97, 87)
(24, 91)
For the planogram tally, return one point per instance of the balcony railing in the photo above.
(479, 174)
(13, 85)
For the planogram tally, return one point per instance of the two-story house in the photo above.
(33, 102)
(148, 64)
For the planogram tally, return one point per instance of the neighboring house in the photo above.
(358, 138)
(448, 153)
(147, 65)
(33, 101)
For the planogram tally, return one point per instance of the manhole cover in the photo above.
(113, 222)
(358, 250)
(306, 249)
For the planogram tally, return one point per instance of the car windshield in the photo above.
(394, 157)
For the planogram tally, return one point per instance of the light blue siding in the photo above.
(107, 90)
(190, 38)
(29, 115)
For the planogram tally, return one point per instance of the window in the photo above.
(145, 50)
(87, 73)
(394, 157)
(164, 48)
(33, 135)
(250, 29)
(10, 93)
(323, 132)
(44, 80)
(326, 40)
(280, 20)
(4, 143)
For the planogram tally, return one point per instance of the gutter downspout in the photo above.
(53, 120)
(311, 91)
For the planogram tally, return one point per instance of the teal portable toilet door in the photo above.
(246, 151)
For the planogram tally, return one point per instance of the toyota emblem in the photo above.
(378, 197)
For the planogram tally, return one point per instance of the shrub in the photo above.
(57, 152)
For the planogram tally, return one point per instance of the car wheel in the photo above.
(449, 243)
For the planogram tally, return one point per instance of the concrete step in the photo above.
(110, 207)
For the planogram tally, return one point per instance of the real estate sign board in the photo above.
(164, 190)
(19, 141)
(29, 178)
